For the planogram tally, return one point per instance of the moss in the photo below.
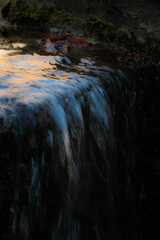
(94, 20)
(153, 49)
(23, 13)
(124, 33)
(99, 28)
(136, 49)
(117, 40)
(65, 16)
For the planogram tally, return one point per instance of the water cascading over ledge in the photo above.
(57, 152)
(67, 151)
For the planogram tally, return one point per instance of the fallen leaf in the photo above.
(65, 48)
(128, 58)
(61, 43)
(47, 35)
(49, 47)
(78, 41)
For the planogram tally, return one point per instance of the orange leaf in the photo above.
(78, 41)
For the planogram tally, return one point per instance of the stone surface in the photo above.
(134, 15)
(3, 3)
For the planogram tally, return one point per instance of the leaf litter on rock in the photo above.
(55, 42)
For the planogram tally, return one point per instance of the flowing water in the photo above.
(64, 172)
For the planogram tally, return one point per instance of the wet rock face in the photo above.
(140, 18)
(3, 4)
(148, 165)
(38, 3)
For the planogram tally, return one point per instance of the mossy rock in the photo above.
(3, 3)
(65, 16)
(23, 13)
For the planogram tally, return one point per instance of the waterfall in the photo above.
(69, 153)
(58, 151)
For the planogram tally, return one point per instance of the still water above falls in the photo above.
(59, 174)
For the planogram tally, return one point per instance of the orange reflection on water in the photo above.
(33, 77)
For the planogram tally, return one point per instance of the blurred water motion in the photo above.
(54, 118)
